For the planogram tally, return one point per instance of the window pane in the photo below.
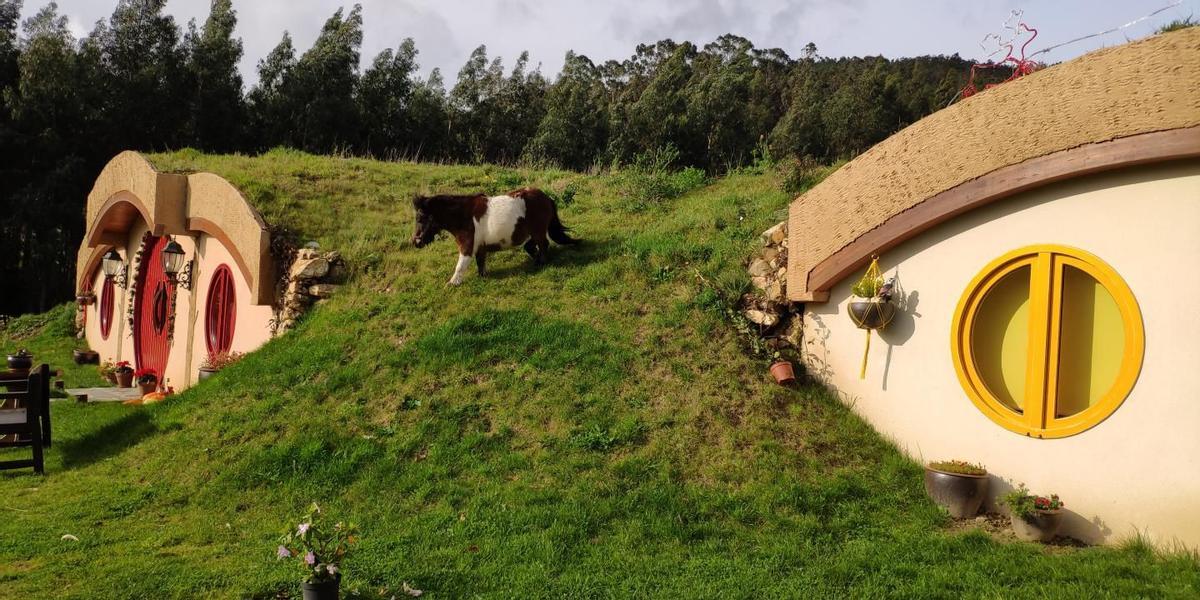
(1000, 338)
(1093, 342)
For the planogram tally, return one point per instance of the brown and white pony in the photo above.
(481, 225)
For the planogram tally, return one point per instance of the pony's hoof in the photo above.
(454, 282)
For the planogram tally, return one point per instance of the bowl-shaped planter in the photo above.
(874, 313)
(21, 361)
(783, 372)
(959, 493)
(83, 357)
(1041, 526)
(205, 373)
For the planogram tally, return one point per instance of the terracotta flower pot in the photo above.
(875, 313)
(124, 379)
(325, 590)
(1041, 526)
(783, 372)
(146, 388)
(112, 378)
(958, 493)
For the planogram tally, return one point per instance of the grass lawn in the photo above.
(590, 429)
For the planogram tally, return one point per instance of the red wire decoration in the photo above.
(1020, 66)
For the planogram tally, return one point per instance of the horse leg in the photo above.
(460, 269)
(480, 259)
(531, 249)
(543, 251)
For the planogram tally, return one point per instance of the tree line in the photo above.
(140, 81)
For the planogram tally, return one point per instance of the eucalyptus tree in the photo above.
(218, 110)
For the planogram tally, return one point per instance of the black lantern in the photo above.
(172, 259)
(112, 264)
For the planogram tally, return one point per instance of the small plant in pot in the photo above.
(1034, 518)
(124, 374)
(147, 380)
(108, 371)
(320, 547)
(216, 361)
(957, 485)
(872, 308)
(782, 369)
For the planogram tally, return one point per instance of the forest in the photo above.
(141, 81)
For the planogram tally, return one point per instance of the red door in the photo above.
(155, 303)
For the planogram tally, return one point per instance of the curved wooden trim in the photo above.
(1129, 151)
(96, 235)
(210, 228)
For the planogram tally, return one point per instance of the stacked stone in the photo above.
(311, 278)
(768, 306)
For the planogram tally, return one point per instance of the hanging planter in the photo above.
(872, 309)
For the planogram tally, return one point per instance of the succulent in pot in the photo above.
(1034, 518)
(958, 486)
(21, 361)
(123, 373)
(147, 380)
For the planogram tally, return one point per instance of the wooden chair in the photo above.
(18, 381)
(25, 417)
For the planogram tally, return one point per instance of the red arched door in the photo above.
(155, 303)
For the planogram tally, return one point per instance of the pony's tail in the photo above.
(558, 232)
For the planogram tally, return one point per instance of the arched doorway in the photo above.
(154, 306)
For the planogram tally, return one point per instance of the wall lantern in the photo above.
(114, 267)
(178, 270)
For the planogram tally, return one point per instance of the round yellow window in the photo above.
(1047, 341)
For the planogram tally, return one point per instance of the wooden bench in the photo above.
(25, 415)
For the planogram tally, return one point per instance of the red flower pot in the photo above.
(783, 372)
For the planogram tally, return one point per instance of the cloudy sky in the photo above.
(447, 30)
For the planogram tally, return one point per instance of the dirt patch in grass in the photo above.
(999, 527)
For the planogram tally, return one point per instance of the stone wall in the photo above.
(313, 276)
(767, 306)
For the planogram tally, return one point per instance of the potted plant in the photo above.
(217, 361)
(108, 371)
(147, 380)
(21, 361)
(872, 309)
(83, 357)
(1034, 518)
(957, 485)
(320, 547)
(124, 374)
(782, 369)
(85, 298)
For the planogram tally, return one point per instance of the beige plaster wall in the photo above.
(252, 326)
(109, 349)
(1139, 470)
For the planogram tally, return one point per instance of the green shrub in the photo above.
(652, 179)
(961, 467)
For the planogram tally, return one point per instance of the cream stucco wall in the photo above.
(1138, 470)
(110, 348)
(252, 325)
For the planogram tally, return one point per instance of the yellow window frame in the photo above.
(1047, 263)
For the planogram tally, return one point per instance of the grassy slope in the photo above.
(587, 430)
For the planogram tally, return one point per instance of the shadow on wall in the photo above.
(903, 325)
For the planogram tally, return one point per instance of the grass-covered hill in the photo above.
(590, 429)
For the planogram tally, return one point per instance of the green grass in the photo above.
(589, 429)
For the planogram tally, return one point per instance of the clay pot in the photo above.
(958, 493)
(124, 379)
(112, 378)
(83, 357)
(783, 372)
(1041, 526)
(206, 373)
(146, 388)
(21, 361)
(875, 313)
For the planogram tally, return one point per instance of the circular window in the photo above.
(1047, 341)
(220, 311)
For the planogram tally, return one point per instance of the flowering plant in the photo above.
(1024, 505)
(321, 547)
(123, 367)
(106, 368)
(146, 376)
(219, 360)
